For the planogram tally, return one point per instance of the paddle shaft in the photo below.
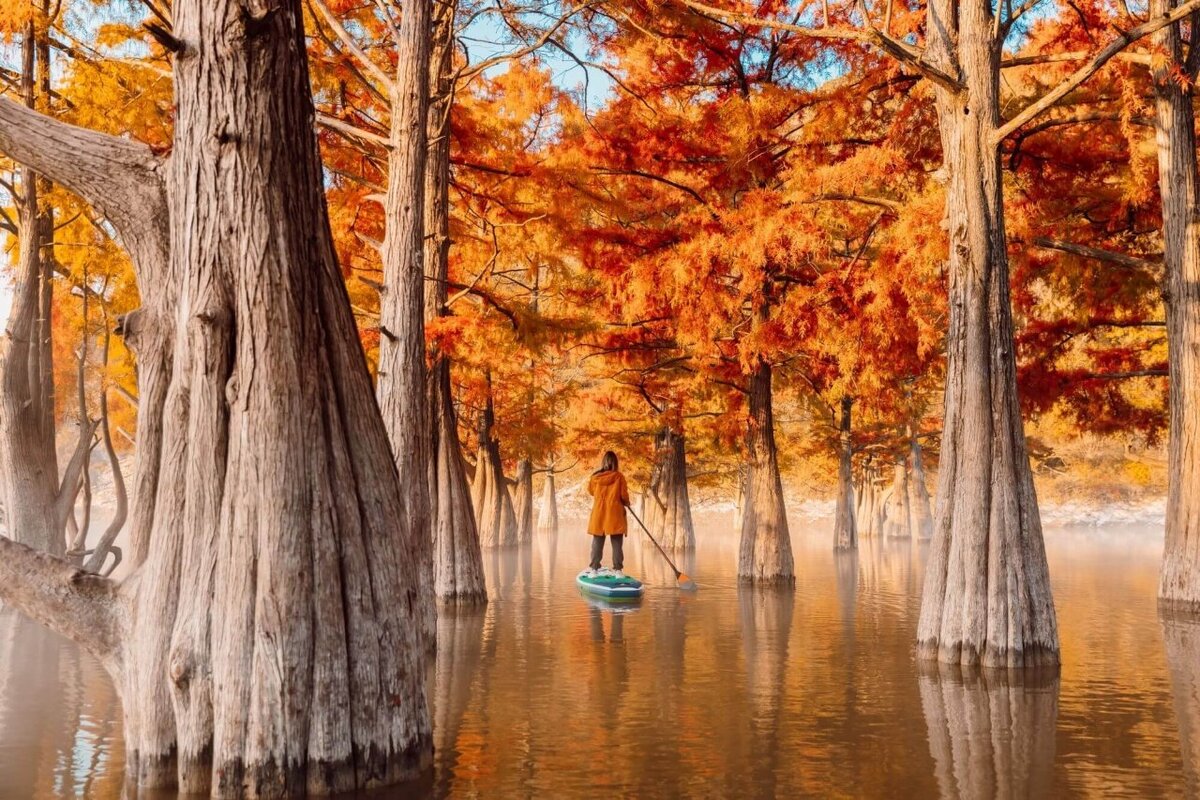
(678, 574)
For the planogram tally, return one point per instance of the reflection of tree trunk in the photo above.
(31, 701)
(668, 508)
(765, 552)
(523, 501)
(896, 512)
(494, 515)
(845, 531)
(766, 626)
(1181, 633)
(918, 495)
(991, 733)
(459, 644)
(548, 512)
(1179, 187)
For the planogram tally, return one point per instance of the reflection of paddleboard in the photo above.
(607, 585)
(612, 605)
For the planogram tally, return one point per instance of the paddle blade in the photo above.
(686, 583)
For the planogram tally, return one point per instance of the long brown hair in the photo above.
(608, 463)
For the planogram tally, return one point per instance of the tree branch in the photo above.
(84, 608)
(1120, 259)
(1093, 66)
(901, 51)
(120, 178)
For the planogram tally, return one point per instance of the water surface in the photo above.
(730, 692)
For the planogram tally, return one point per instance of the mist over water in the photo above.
(730, 692)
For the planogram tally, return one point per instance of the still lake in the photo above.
(729, 692)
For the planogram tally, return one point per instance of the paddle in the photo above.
(685, 583)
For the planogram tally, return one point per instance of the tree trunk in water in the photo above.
(548, 512)
(866, 519)
(28, 460)
(897, 517)
(457, 559)
(987, 592)
(523, 501)
(402, 396)
(845, 531)
(765, 552)
(270, 644)
(918, 495)
(494, 515)
(1178, 185)
(669, 510)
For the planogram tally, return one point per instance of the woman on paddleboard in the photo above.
(610, 497)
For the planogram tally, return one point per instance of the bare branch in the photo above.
(1120, 259)
(348, 41)
(902, 51)
(1093, 66)
(352, 131)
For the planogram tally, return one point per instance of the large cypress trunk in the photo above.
(457, 559)
(845, 530)
(274, 646)
(402, 395)
(494, 514)
(1178, 186)
(765, 552)
(987, 592)
(867, 514)
(668, 508)
(28, 461)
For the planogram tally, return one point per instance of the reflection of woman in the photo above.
(610, 497)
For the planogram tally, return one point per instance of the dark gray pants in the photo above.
(618, 551)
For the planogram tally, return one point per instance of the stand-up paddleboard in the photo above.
(606, 584)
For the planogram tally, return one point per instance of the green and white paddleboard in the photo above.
(606, 584)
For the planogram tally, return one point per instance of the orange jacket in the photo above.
(611, 495)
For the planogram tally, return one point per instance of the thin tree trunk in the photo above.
(866, 518)
(669, 510)
(457, 558)
(523, 501)
(918, 495)
(548, 510)
(1179, 185)
(845, 530)
(987, 595)
(897, 516)
(28, 461)
(494, 515)
(765, 552)
(402, 395)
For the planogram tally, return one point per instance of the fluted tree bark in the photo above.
(269, 645)
(403, 399)
(523, 500)
(1179, 187)
(494, 514)
(987, 593)
(457, 558)
(765, 551)
(920, 515)
(668, 506)
(547, 521)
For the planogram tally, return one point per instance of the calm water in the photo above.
(730, 692)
